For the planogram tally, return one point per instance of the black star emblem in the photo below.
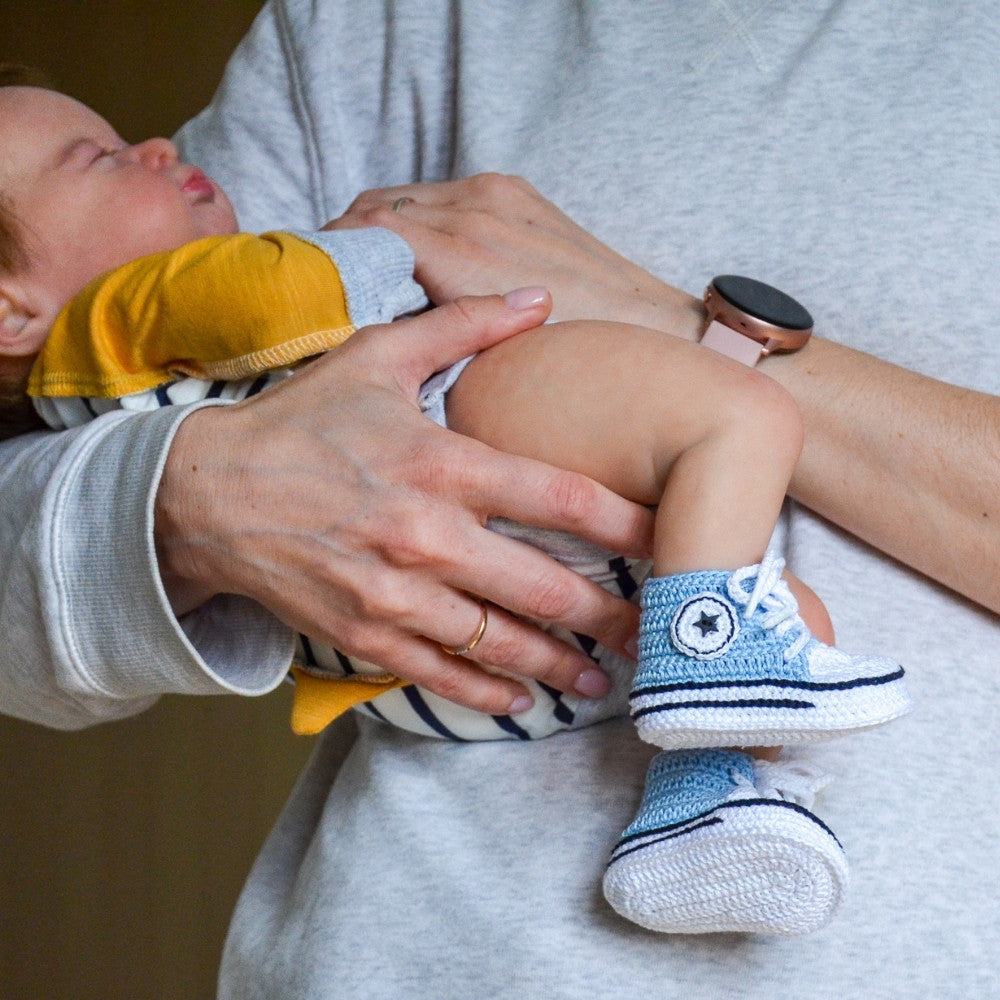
(707, 624)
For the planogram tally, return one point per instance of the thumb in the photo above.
(414, 349)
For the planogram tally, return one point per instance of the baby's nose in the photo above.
(156, 154)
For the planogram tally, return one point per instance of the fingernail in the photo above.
(521, 704)
(632, 646)
(526, 298)
(592, 683)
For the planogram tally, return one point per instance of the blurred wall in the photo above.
(124, 847)
(145, 66)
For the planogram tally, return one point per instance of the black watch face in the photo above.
(763, 302)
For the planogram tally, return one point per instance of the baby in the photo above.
(125, 283)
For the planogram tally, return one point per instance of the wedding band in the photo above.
(474, 641)
(397, 205)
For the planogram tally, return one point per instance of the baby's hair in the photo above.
(14, 74)
(17, 415)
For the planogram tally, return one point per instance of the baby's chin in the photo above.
(217, 220)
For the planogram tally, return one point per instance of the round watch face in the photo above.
(763, 302)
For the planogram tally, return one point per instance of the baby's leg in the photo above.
(615, 402)
(715, 845)
(724, 657)
(656, 419)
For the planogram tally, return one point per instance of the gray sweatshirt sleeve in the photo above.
(87, 632)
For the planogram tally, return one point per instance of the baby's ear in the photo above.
(23, 328)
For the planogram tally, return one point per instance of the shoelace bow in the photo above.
(773, 596)
(795, 781)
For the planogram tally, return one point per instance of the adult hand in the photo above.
(474, 235)
(332, 501)
(885, 448)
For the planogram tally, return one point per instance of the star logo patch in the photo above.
(707, 623)
(704, 626)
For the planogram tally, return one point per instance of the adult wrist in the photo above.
(179, 510)
(670, 310)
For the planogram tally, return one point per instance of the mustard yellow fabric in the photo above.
(320, 700)
(223, 307)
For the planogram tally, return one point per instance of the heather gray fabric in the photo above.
(846, 150)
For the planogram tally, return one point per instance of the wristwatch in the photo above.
(748, 319)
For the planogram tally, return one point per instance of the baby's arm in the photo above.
(224, 308)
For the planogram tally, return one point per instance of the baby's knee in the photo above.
(759, 408)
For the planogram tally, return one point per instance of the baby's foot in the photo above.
(725, 660)
(726, 843)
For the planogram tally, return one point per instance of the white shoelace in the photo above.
(796, 781)
(772, 594)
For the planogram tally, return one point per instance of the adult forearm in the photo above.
(903, 461)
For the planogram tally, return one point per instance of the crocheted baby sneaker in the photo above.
(726, 843)
(725, 660)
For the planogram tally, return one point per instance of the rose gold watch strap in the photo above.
(734, 345)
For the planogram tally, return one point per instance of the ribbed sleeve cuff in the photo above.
(119, 636)
(376, 268)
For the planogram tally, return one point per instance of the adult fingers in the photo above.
(482, 190)
(501, 642)
(466, 483)
(532, 585)
(406, 353)
(413, 636)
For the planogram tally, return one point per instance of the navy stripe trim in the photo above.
(624, 579)
(587, 645)
(619, 853)
(708, 818)
(508, 725)
(638, 713)
(311, 661)
(370, 706)
(345, 664)
(561, 711)
(422, 709)
(778, 682)
(256, 386)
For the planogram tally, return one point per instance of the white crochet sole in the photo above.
(750, 865)
(763, 713)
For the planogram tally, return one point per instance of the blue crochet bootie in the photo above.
(726, 843)
(725, 660)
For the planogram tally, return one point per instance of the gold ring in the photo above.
(474, 641)
(397, 205)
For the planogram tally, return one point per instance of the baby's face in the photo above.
(86, 201)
